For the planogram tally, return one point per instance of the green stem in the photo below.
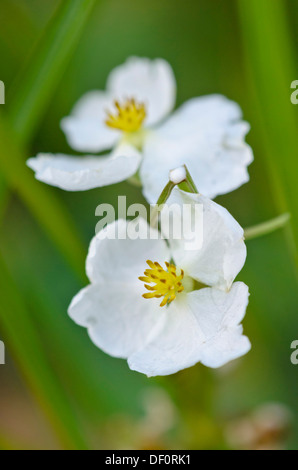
(266, 227)
(166, 192)
(26, 103)
(43, 203)
(24, 343)
(34, 87)
(267, 41)
(190, 182)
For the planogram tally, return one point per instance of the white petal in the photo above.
(175, 344)
(118, 318)
(221, 323)
(223, 251)
(229, 345)
(148, 81)
(204, 112)
(85, 128)
(200, 326)
(218, 311)
(113, 256)
(207, 135)
(83, 173)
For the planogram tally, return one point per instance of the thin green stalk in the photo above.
(266, 227)
(165, 194)
(46, 208)
(190, 182)
(19, 334)
(26, 103)
(34, 87)
(270, 67)
(167, 190)
(184, 177)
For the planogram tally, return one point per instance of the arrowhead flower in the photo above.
(132, 116)
(161, 307)
(82, 173)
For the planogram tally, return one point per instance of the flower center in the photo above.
(167, 283)
(128, 117)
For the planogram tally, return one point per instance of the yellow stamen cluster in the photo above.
(128, 117)
(167, 283)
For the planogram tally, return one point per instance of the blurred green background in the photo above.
(57, 390)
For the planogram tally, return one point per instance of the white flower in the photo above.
(192, 310)
(82, 173)
(139, 95)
